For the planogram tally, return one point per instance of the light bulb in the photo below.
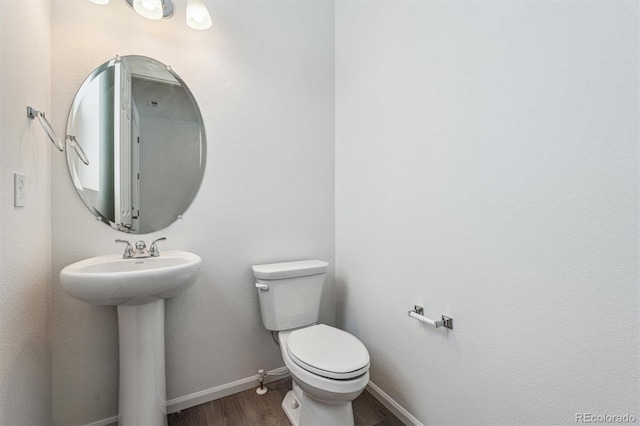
(149, 5)
(99, 1)
(150, 9)
(198, 16)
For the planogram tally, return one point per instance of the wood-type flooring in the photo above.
(250, 409)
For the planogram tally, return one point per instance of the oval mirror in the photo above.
(136, 146)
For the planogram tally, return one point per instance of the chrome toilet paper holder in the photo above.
(418, 313)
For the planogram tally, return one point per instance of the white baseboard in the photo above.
(391, 405)
(197, 398)
(105, 422)
(191, 400)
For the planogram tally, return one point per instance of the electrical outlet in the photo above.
(19, 190)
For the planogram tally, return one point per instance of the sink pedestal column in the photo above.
(143, 394)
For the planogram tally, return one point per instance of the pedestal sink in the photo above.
(138, 287)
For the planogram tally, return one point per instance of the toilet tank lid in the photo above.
(300, 268)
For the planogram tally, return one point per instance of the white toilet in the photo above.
(329, 367)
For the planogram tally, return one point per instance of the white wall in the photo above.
(263, 77)
(25, 232)
(487, 168)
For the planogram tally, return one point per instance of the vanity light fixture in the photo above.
(150, 9)
(198, 16)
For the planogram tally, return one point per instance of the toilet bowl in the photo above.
(329, 367)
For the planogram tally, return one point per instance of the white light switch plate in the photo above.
(18, 190)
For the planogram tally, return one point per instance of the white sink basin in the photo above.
(112, 280)
(138, 287)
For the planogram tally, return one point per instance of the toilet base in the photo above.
(291, 407)
(306, 411)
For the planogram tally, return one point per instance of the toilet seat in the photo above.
(328, 352)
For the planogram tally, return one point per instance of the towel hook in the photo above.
(46, 126)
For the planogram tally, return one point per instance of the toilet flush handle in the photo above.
(263, 287)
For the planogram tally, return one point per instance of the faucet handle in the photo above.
(128, 251)
(153, 250)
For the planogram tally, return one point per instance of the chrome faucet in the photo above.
(153, 250)
(140, 249)
(128, 251)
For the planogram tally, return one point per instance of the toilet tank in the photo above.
(290, 293)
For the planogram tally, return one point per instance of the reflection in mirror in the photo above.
(142, 131)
